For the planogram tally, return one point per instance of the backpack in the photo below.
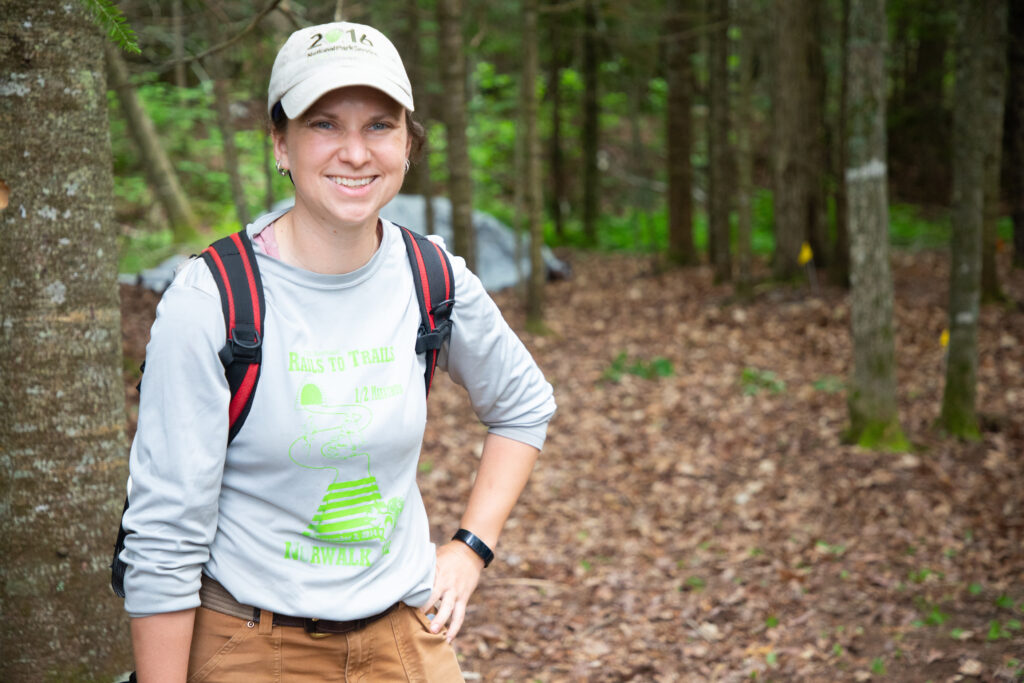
(232, 262)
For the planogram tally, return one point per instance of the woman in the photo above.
(219, 534)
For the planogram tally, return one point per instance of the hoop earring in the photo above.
(280, 171)
(407, 166)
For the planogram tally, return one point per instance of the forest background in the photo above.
(788, 362)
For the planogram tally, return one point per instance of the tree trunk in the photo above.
(719, 176)
(994, 104)
(418, 181)
(839, 264)
(1015, 129)
(816, 164)
(591, 123)
(453, 75)
(795, 131)
(531, 179)
(178, 36)
(222, 107)
(158, 166)
(744, 149)
(970, 134)
(558, 194)
(61, 393)
(872, 396)
(679, 50)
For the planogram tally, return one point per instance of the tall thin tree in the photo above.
(972, 123)
(591, 123)
(61, 390)
(1015, 129)
(874, 421)
(679, 47)
(798, 161)
(720, 182)
(995, 99)
(159, 170)
(453, 74)
(534, 196)
(743, 124)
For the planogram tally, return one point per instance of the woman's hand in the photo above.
(456, 577)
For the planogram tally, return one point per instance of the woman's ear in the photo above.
(280, 149)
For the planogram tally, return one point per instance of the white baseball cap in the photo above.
(319, 59)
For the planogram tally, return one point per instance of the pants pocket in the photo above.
(215, 636)
(426, 656)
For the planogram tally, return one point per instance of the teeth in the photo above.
(351, 182)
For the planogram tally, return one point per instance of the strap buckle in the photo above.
(243, 346)
(434, 339)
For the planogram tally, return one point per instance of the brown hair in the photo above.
(417, 134)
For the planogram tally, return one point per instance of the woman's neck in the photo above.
(305, 243)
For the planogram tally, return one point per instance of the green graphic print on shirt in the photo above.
(352, 510)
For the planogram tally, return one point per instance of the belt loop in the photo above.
(266, 622)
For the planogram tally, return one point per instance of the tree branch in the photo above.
(271, 5)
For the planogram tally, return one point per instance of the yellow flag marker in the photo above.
(805, 254)
(944, 339)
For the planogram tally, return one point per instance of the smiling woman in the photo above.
(302, 545)
(346, 155)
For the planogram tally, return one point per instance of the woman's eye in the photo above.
(380, 126)
(321, 125)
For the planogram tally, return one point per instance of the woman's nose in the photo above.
(354, 150)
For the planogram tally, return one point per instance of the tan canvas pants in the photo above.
(396, 647)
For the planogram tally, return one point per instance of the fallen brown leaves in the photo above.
(709, 525)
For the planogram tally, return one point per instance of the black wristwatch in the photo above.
(475, 544)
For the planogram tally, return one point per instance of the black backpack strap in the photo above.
(435, 290)
(232, 262)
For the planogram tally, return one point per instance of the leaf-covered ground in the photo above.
(694, 515)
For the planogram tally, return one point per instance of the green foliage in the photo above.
(753, 380)
(998, 630)
(695, 583)
(657, 367)
(878, 666)
(771, 622)
(830, 384)
(108, 17)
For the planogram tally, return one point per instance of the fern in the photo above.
(108, 17)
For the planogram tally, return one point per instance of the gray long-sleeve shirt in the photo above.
(313, 510)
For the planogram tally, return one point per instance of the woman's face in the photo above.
(347, 155)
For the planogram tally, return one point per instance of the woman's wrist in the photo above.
(474, 542)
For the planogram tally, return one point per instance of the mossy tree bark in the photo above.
(874, 422)
(453, 74)
(62, 416)
(971, 127)
(720, 182)
(679, 49)
(159, 169)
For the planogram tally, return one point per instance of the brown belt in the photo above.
(214, 596)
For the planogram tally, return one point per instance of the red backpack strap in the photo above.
(435, 290)
(232, 262)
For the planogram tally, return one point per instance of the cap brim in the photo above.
(302, 95)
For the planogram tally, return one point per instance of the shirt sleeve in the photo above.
(506, 387)
(177, 456)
